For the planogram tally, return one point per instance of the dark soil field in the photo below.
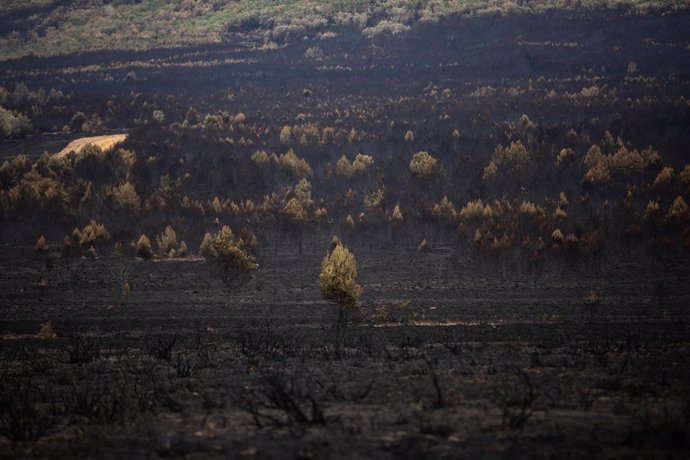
(438, 362)
(545, 314)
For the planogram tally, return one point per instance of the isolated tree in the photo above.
(349, 223)
(233, 257)
(424, 165)
(124, 295)
(46, 331)
(396, 217)
(41, 245)
(144, 248)
(338, 283)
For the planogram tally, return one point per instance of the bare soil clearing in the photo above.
(105, 143)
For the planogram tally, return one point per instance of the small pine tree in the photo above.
(338, 283)
(396, 216)
(41, 245)
(126, 289)
(144, 249)
(350, 223)
(592, 298)
(46, 331)
(424, 165)
(234, 257)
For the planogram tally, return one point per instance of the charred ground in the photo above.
(478, 333)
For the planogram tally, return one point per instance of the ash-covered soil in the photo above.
(439, 361)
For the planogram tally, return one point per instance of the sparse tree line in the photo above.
(562, 192)
(595, 194)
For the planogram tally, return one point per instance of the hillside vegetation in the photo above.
(49, 28)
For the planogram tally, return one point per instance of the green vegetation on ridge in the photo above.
(45, 28)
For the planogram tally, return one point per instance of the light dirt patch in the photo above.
(104, 142)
